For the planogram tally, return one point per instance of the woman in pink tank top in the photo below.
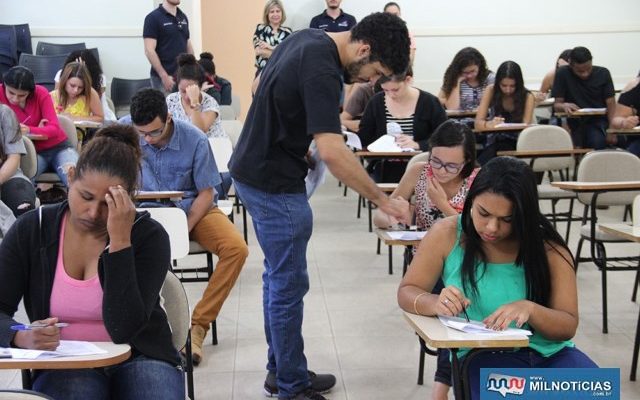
(96, 264)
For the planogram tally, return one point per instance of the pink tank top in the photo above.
(77, 302)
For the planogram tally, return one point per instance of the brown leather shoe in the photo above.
(198, 334)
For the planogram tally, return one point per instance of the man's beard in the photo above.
(352, 70)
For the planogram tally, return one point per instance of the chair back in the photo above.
(70, 129)
(54, 49)
(174, 222)
(235, 103)
(422, 157)
(636, 211)
(609, 166)
(29, 161)
(227, 113)
(174, 301)
(233, 128)
(8, 45)
(22, 394)
(23, 38)
(122, 90)
(546, 137)
(44, 68)
(222, 149)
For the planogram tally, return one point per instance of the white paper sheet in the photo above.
(353, 140)
(406, 235)
(67, 348)
(585, 110)
(512, 125)
(477, 327)
(386, 144)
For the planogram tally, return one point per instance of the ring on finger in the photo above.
(445, 301)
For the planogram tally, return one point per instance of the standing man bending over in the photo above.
(297, 100)
(166, 34)
(176, 156)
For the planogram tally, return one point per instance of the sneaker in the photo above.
(319, 383)
(198, 334)
(309, 394)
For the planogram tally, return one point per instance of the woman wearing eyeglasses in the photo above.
(440, 186)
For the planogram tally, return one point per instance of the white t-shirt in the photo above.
(208, 104)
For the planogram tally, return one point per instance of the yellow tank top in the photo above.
(78, 109)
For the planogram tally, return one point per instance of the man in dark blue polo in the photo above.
(333, 19)
(166, 34)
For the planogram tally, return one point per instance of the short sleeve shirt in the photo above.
(592, 92)
(470, 96)
(298, 96)
(208, 104)
(359, 99)
(186, 164)
(8, 128)
(631, 98)
(344, 22)
(171, 34)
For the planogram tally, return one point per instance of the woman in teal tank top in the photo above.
(504, 263)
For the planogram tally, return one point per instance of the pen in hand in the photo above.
(466, 316)
(23, 327)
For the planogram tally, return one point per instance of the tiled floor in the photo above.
(353, 326)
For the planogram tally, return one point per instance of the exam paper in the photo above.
(512, 125)
(586, 110)
(477, 327)
(386, 143)
(406, 235)
(67, 348)
(353, 140)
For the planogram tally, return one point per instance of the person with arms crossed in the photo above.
(503, 263)
(304, 77)
(583, 85)
(176, 156)
(333, 19)
(166, 35)
(95, 263)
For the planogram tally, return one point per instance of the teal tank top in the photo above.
(498, 284)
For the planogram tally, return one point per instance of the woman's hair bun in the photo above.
(206, 55)
(186, 59)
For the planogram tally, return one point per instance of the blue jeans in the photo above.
(58, 159)
(589, 132)
(139, 378)
(283, 224)
(568, 357)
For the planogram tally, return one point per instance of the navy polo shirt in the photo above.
(171, 34)
(344, 22)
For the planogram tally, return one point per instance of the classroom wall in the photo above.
(531, 32)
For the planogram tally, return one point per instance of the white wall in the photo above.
(531, 32)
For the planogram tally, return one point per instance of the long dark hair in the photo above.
(20, 78)
(188, 68)
(510, 70)
(464, 58)
(514, 180)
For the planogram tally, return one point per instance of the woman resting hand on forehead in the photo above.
(503, 262)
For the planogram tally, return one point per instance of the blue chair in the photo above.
(44, 68)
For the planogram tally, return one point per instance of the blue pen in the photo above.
(29, 327)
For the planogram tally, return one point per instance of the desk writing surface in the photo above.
(436, 335)
(383, 234)
(116, 353)
(158, 195)
(543, 153)
(87, 124)
(384, 154)
(461, 113)
(504, 128)
(625, 231)
(577, 186)
(36, 136)
(576, 114)
(632, 131)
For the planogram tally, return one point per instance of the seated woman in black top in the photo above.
(417, 112)
(507, 101)
(98, 265)
(626, 115)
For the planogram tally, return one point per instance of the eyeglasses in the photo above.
(153, 134)
(451, 168)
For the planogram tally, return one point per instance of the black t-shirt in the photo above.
(171, 34)
(298, 96)
(592, 92)
(631, 98)
(323, 21)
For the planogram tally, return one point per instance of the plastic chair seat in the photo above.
(601, 236)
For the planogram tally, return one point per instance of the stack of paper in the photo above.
(406, 235)
(590, 110)
(67, 348)
(386, 144)
(477, 327)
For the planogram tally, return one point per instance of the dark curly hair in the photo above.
(389, 40)
(146, 105)
(188, 68)
(89, 59)
(464, 58)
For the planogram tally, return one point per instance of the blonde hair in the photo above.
(267, 8)
(75, 70)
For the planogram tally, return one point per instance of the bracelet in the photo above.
(415, 303)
